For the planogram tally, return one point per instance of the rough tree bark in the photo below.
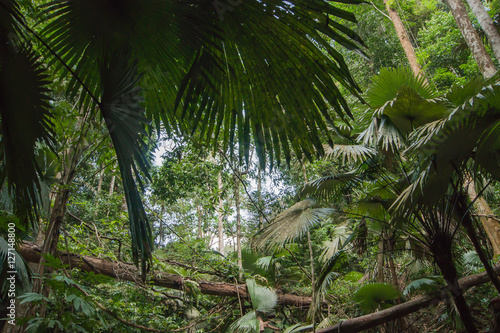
(471, 37)
(404, 39)
(487, 25)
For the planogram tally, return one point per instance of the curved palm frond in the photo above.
(22, 271)
(424, 285)
(234, 66)
(290, 224)
(26, 123)
(329, 186)
(263, 298)
(123, 111)
(249, 323)
(386, 86)
(349, 153)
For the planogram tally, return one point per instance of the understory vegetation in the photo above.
(249, 166)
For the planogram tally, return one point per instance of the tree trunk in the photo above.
(441, 250)
(313, 282)
(471, 37)
(259, 198)
(487, 25)
(404, 39)
(238, 225)
(467, 222)
(491, 226)
(199, 209)
(221, 215)
(380, 260)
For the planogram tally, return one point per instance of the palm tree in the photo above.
(418, 149)
(183, 66)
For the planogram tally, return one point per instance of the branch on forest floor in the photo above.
(128, 272)
(378, 318)
(196, 269)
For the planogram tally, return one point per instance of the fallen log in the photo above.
(128, 272)
(368, 321)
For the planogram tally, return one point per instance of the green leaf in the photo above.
(263, 298)
(372, 296)
(291, 224)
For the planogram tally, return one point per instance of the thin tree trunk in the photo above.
(199, 209)
(112, 185)
(238, 225)
(441, 250)
(380, 260)
(259, 198)
(487, 25)
(471, 37)
(404, 39)
(467, 222)
(221, 215)
(491, 226)
(101, 178)
(313, 282)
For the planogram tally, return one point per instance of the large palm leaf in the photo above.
(214, 74)
(122, 107)
(232, 77)
(25, 117)
(291, 224)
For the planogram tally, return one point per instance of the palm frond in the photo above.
(329, 186)
(237, 69)
(424, 285)
(382, 133)
(349, 153)
(123, 111)
(249, 323)
(263, 298)
(22, 271)
(372, 296)
(387, 85)
(26, 122)
(339, 236)
(290, 224)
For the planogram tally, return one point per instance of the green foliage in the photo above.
(375, 296)
(424, 285)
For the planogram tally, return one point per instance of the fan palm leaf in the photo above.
(123, 111)
(329, 186)
(233, 69)
(291, 224)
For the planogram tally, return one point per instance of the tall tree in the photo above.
(220, 214)
(487, 25)
(403, 38)
(472, 38)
